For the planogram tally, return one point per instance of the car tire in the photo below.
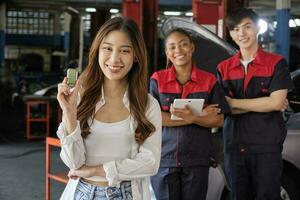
(289, 189)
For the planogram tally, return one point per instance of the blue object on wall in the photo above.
(66, 40)
(2, 47)
(33, 40)
(282, 33)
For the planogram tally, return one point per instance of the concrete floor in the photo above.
(22, 171)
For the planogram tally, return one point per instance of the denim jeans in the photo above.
(86, 191)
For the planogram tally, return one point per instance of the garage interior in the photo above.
(40, 40)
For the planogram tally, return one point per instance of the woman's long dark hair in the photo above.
(93, 78)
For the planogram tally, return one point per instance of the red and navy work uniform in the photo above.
(185, 155)
(253, 141)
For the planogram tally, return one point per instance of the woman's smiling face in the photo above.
(116, 55)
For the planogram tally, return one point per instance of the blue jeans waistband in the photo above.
(86, 191)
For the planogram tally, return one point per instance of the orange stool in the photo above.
(45, 111)
(60, 177)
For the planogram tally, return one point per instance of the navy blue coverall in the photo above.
(253, 141)
(183, 172)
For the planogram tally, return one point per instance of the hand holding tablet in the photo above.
(196, 105)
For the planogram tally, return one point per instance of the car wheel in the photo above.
(289, 189)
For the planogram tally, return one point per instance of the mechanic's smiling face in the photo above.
(179, 49)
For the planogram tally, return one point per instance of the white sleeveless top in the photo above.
(107, 142)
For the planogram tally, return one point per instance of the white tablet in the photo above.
(195, 104)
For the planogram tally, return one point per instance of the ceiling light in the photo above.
(172, 13)
(90, 9)
(297, 21)
(292, 23)
(189, 14)
(263, 26)
(114, 11)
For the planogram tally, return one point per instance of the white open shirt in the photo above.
(137, 167)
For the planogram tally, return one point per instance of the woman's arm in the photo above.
(167, 121)
(72, 147)
(67, 99)
(210, 117)
(275, 102)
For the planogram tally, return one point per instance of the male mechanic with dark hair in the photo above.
(255, 83)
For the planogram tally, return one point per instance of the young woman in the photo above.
(183, 172)
(111, 129)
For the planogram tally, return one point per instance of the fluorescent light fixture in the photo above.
(263, 26)
(90, 9)
(292, 23)
(297, 21)
(189, 14)
(114, 11)
(172, 13)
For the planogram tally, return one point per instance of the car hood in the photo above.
(210, 49)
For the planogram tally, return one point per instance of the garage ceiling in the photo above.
(263, 7)
(268, 7)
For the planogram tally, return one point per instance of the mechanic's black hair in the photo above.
(235, 17)
(179, 30)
